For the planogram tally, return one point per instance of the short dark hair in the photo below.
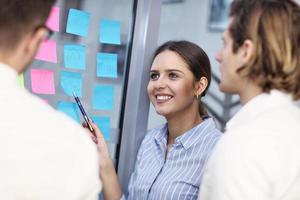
(274, 28)
(18, 17)
(196, 59)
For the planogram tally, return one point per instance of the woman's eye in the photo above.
(154, 76)
(173, 75)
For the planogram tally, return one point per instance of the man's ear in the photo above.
(245, 52)
(33, 43)
(200, 86)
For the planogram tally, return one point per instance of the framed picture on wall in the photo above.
(218, 15)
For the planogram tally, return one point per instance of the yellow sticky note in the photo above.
(21, 79)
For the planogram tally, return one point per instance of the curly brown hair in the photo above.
(274, 28)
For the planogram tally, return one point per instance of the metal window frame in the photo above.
(134, 119)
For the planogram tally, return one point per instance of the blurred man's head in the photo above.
(261, 47)
(22, 28)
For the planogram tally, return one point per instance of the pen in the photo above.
(83, 112)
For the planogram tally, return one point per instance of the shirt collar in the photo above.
(195, 134)
(161, 135)
(8, 74)
(190, 137)
(258, 105)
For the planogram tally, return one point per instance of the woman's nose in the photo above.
(161, 83)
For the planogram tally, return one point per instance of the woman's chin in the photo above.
(161, 112)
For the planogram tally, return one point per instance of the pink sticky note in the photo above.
(47, 51)
(42, 81)
(53, 19)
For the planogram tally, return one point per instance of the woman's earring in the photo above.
(197, 95)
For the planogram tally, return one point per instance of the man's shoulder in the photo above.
(47, 114)
(39, 118)
(256, 144)
(41, 139)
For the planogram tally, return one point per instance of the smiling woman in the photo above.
(182, 66)
(171, 158)
(170, 80)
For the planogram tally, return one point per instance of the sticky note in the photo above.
(47, 51)
(78, 22)
(53, 19)
(75, 56)
(110, 31)
(104, 125)
(103, 98)
(107, 65)
(71, 82)
(69, 109)
(42, 81)
(21, 80)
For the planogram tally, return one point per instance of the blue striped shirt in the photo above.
(177, 176)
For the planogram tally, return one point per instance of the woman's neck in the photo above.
(181, 123)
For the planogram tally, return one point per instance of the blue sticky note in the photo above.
(110, 31)
(104, 124)
(103, 98)
(107, 65)
(78, 22)
(71, 82)
(75, 56)
(69, 109)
